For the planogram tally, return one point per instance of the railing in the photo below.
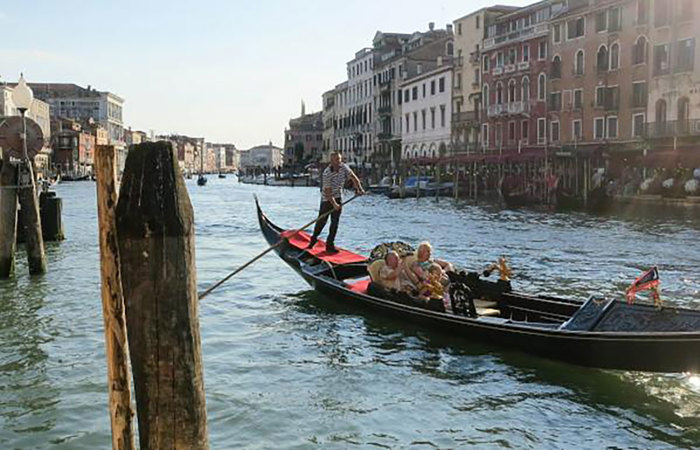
(384, 110)
(509, 108)
(384, 136)
(495, 110)
(525, 65)
(673, 128)
(510, 68)
(497, 71)
(464, 116)
(512, 36)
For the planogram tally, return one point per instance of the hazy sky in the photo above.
(231, 71)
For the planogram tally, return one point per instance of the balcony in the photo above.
(525, 65)
(464, 117)
(510, 68)
(497, 71)
(512, 108)
(673, 128)
(384, 136)
(529, 32)
(384, 85)
(384, 110)
(496, 110)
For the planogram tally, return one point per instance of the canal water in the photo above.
(287, 368)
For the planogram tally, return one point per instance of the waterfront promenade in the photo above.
(358, 379)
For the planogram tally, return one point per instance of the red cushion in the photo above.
(360, 286)
(301, 240)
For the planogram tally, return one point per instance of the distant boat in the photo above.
(201, 180)
(221, 175)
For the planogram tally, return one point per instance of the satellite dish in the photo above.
(11, 137)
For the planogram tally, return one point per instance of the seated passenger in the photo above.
(423, 262)
(433, 286)
(390, 271)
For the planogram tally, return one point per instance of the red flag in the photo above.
(647, 281)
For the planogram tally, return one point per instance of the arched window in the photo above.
(525, 89)
(450, 49)
(542, 87)
(499, 93)
(602, 58)
(556, 67)
(660, 117)
(485, 96)
(615, 56)
(578, 63)
(511, 91)
(683, 115)
(639, 54)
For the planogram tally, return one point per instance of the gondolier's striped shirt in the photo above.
(335, 179)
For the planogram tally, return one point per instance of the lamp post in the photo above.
(22, 96)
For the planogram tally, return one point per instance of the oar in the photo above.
(269, 249)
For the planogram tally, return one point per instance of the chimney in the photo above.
(419, 68)
(431, 26)
(449, 28)
(439, 61)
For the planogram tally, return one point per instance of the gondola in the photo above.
(599, 333)
(201, 180)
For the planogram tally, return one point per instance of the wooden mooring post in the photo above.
(8, 217)
(31, 219)
(116, 345)
(155, 226)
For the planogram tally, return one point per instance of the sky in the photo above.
(231, 71)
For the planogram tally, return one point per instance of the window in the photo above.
(408, 123)
(442, 116)
(511, 131)
(578, 63)
(422, 113)
(557, 33)
(499, 135)
(459, 28)
(607, 97)
(542, 50)
(662, 12)
(415, 121)
(441, 84)
(661, 59)
(576, 129)
(639, 94)
(638, 125)
(432, 117)
(499, 59)
(615, 56)
(525, 89)
(685, 55)
(599, 128)
(526, 52)
(555, 101)
(642, 12)
(511, 91)
(406, 96)
(485, 64)
(542, 87)
(556, 68)
(485, 96)
(601, 21)
(614, 19)
(554, 130)
(639, 54)
(612, 127)
(524, 131)
(478, 22)
(424, 91)
(602, 58)
(485, 134)
(578, 99)
(415, 92)
(661, 114)
(450, 49)
(541, 130)
(575, 28)
(499, 93)
(512, 56)
(432, 87)
(683, 126)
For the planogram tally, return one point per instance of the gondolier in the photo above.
(332, 182)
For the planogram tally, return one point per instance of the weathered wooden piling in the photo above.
(116, 345)
(155, 226)
(31, 218)
(8, 217)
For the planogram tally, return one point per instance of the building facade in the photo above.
(303, 140)
(329, 123)
(514, 65)
(267, 157)
(427, 113)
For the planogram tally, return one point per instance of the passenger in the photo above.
(390, 272)
(424, 261)
(433, 286)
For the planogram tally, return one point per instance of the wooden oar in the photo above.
(269, 249)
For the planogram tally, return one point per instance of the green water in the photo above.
(287, 368)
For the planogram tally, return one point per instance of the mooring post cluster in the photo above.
(150, 300)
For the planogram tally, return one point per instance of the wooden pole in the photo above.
(8, 217)
(155, 226)
(31, 220)
(116, 346)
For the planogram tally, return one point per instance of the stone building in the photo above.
(469, 32)
(514, 65)
(267, 157)
(329, 123)
(427, 113)
(303, 140)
